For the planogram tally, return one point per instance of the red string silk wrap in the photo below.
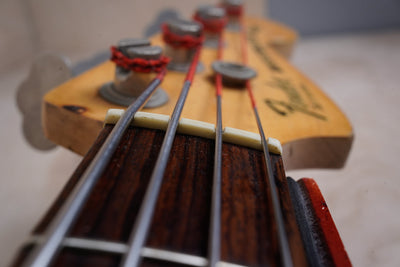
(180, 41)
(211, 25)
(138, 64)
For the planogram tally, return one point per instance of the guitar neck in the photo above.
(179, 230)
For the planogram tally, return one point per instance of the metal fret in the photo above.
(56, 232)
(121, 248)
(142, 225)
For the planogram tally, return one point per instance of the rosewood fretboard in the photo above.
(181, 220)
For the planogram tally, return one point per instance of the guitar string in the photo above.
(214, 246)
(142, 225)
(282, 236)
(53, 237)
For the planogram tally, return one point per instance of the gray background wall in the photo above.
(312, 17)
(76, 27)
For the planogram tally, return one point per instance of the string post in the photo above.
(233, 74)
(136, 66)
(234, 11)
(213, 19)
(181, 38)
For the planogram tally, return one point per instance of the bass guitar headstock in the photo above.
(312, 129)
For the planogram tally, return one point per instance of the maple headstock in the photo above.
(312, 129)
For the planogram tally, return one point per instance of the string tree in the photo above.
(137, 64)
(181, 38)
(233, 74)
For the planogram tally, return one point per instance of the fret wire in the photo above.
(214, 246)
(142, 224)
(282, 236)
(121, 248)
(44, 253)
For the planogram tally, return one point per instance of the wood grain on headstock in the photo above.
(312, 129)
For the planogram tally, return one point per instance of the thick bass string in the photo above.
(141, 228)
(283, 241)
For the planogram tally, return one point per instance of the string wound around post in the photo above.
(137, 64)
(182, 37)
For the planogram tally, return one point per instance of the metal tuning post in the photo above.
(234, 11)
(137, 64)
(181, 38)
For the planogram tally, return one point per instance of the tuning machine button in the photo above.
(48, 70)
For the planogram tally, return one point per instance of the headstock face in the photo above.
(292, 108)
